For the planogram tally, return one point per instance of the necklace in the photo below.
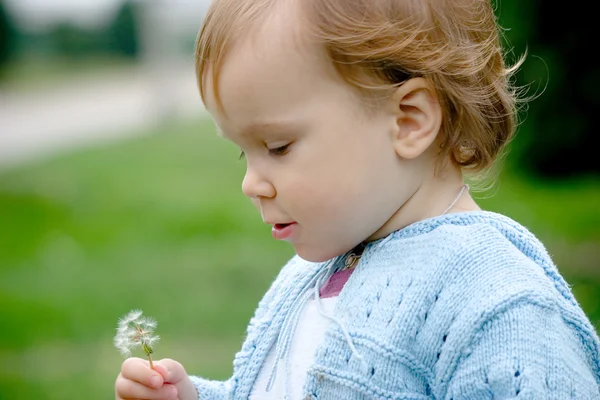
(462, 189)
(354, 256)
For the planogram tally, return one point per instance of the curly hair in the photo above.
(376, 45)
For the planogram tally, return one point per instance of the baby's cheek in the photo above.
(318, 200)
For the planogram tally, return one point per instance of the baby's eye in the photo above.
(280, 151)
(242, 155)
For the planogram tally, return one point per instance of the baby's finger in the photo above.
(139, 370)
(172, 371)
(126, 389)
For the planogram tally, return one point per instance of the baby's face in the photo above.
(315, 158)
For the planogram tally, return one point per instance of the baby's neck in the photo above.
(432, 198)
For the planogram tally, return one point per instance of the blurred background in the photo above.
(115, 192)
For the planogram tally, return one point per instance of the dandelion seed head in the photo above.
(134, 330)
(148, 323)
(132, 316)
(153, 340)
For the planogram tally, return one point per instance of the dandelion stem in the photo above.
(150, 359)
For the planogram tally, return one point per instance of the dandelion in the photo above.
(134, 331)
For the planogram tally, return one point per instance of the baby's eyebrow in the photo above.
(261, 129)
(266, 128)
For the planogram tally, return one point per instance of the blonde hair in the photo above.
(376, 45)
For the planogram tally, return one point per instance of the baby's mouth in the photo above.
(283, 231)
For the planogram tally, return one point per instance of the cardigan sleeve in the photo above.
(210, 389)
(221, 390)
(526, 352)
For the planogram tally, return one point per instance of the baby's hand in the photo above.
(167, 381)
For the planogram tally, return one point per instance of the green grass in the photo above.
(29, 74)
(159, 223)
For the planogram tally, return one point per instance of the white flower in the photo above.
(135, 330)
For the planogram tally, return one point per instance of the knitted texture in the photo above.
(461, 306)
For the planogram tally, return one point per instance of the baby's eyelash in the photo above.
(279, 151)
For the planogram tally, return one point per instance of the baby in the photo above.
(360, 121)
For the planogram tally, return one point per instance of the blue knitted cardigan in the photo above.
(461, 306)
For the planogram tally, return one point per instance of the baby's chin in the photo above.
(317, 253)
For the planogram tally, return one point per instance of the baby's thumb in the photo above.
(171, 371)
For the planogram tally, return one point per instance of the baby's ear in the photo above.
(418, 117)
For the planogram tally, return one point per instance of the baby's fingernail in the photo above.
(155, 381)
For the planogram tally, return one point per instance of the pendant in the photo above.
(351, 261)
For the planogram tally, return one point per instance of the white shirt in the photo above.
(309, 334)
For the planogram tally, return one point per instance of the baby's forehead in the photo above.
(279, 34)
(260, 39)
(275, 53)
